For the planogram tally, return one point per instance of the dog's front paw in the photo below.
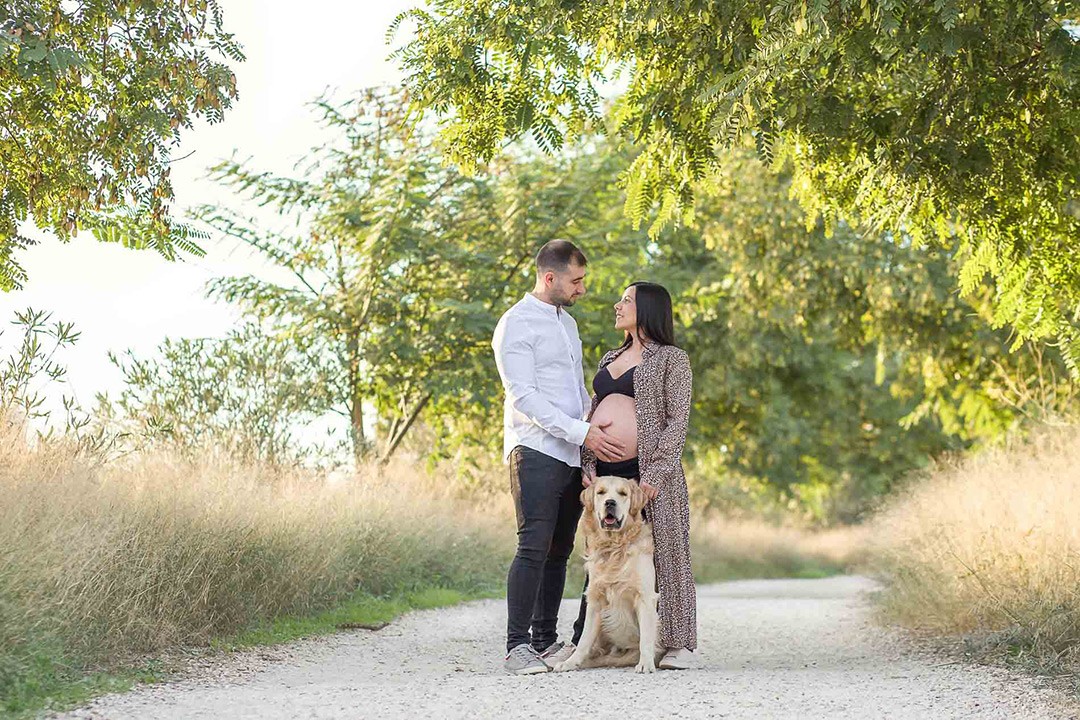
(567, 665)
(646, 665)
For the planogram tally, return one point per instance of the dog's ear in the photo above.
(588, 498)
(637, 499)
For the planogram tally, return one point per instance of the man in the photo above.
(538, 353)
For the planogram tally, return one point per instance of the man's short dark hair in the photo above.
(556, 256)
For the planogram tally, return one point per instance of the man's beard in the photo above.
(565, 300)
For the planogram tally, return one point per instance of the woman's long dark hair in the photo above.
(654, 315)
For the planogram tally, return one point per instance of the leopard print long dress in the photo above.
(662, 389)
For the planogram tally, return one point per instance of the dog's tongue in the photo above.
(609, 520)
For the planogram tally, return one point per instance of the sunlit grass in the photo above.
(101, 567)
(989, 549)
(724, 549)
(105, 568)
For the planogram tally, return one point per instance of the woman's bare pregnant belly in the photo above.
(620, 410)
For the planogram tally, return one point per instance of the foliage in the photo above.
(247, 394)
(955, 122)
(95, 95)
(396, 264)
(31, 370)
(33, 361)
(832, 366)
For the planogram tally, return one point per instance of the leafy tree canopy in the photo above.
(826, 366)
(955, 121)
(397, 264)
(93, 96)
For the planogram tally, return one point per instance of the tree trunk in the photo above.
(396, 440)
(356, 400)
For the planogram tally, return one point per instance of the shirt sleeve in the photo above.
(586, 396)
(516, 361)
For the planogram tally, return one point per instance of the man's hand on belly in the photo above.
(603, 445)
(616, 414)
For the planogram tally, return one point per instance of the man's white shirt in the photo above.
(538, 353)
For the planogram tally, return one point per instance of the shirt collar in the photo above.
(553, 310)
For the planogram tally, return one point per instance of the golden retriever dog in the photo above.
(620, 618)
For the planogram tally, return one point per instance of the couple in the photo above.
(558, 437)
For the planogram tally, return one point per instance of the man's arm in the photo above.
(516, 362)
(588, 456)
(586, 397)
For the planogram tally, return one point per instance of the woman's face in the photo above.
(626, 311)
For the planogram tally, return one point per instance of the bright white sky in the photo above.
(122, 299)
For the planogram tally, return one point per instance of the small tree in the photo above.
(32, 371)
(247, 394)
(25, 372)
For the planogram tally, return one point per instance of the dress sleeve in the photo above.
(588, 457)
(588, 462)
(678, 390)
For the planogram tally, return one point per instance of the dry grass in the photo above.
(98, 564)
(726, 548)
(990, 548)
(103, 564)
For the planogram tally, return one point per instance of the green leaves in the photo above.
(20, 399)
(95, 96)
(134, 228)
(955, 121)
(250, 394)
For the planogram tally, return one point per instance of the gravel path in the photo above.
(770, 649)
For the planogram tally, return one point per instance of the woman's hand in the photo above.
(649, 490)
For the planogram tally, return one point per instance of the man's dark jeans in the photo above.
(547, 500)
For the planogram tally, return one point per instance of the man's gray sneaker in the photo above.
(523, 660)
(555, 653)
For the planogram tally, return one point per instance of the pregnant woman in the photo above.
(643, 388)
